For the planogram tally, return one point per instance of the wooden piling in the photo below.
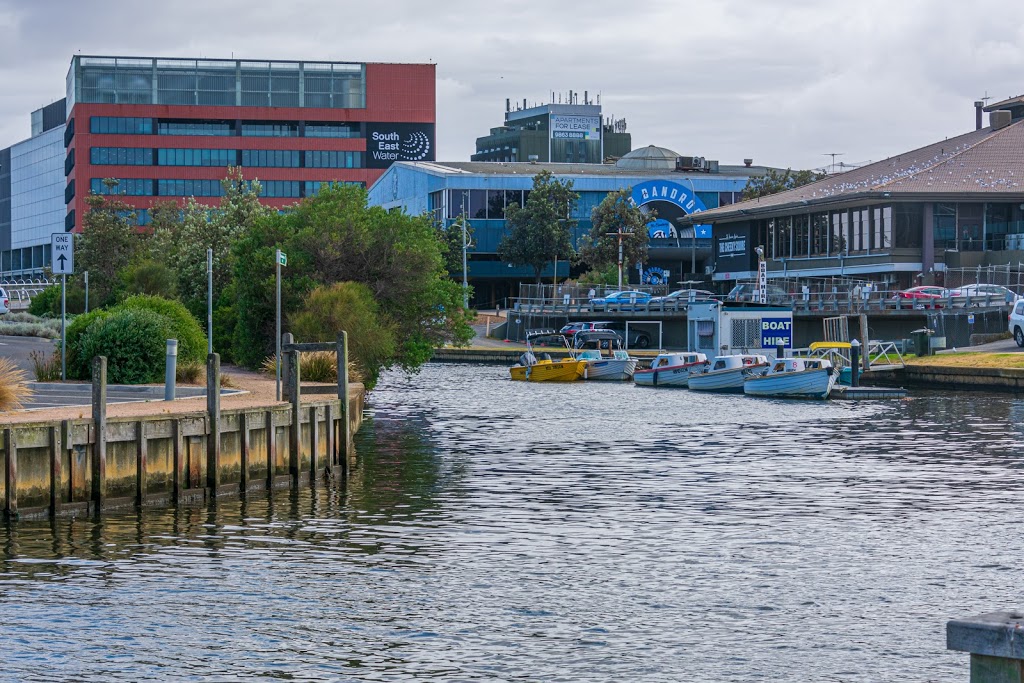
(178, 484)
(314, 444)
(11, 474)
(243, 441)
(213, 433)
(271, 449)
(295, 395)
(332, 456)
(99, 423)
(343, 387)
(56, 454)
(142, 447)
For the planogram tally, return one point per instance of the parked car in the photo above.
(746, 291)
(637, 339)
(1016, 323)
(683, 295)
(624, 301)
(924, 295)
(5, 302)
(993, 293)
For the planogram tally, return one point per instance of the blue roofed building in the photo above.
(671, 185)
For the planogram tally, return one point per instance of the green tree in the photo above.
(451, 237)
(348, 306)
(110, 241)
(773, 181)
(336, 237)
(541, 230)
(615, 214)
(148, 276)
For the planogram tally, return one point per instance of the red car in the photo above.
(925, 295)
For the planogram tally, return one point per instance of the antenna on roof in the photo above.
(833, 155)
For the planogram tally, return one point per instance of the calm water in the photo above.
(506, 531)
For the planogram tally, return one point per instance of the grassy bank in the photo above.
(968, 359)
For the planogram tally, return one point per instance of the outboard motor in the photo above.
(527, 359)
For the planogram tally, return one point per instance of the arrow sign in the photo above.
(282, 258)
(62, 253)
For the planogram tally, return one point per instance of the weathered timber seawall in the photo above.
(1009, 380)
(56, 468)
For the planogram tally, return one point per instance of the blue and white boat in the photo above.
(793, 378)
(604, 356)
(727, 373)
(671, 370)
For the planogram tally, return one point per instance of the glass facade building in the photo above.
(169, 128)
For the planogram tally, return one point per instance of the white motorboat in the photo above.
(604, 356)
(670, 370)
(794, 378)
(727, 373)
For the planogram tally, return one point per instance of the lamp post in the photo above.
(618, 233)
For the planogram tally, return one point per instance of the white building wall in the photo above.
(37, 189)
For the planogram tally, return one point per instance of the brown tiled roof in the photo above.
(983, 162)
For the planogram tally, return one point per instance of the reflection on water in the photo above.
(507, 531)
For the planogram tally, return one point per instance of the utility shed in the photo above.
(716, 328)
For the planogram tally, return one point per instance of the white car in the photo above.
(995, 293)
(1016, 319)
(5, 302)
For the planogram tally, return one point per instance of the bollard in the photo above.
(994, 643)
(780, 351)
(854, 363)
(171, 369)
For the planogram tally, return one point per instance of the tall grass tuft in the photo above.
(13, 391)
(190, 372)
(46, 366)
(317, 366)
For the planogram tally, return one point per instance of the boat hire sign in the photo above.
(387, 143)
(776, 332)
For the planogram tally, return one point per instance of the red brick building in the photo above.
(169, 128)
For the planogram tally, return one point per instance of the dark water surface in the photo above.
(592, 532)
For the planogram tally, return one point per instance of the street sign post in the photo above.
(62, 262)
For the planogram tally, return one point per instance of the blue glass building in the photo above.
(661, 180)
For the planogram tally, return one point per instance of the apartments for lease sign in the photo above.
(564, 127)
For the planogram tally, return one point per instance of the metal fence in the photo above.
(1010, 276)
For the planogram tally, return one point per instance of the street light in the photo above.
(619, 234)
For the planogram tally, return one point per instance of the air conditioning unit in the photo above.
(698, 162)
(683, 163)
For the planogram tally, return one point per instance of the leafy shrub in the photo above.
(133, 340)
(80, 365)
(46, 366)
(348, 306)
(13, 391)
(149, 277)
(47, 302)
(184, 327)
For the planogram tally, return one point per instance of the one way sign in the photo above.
(62, 253)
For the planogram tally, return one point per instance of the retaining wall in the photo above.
(59, 468)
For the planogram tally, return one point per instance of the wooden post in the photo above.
(314, 444)
(295, 395)
(177, 478)
(140, 463)
(99, 424)
(864, 339)
(56, 453)
(332, 457)
(286, 358)
(11, 474)
(243, 442)
(213, 433)
(271, 449)
(68, 447)
(343, 437)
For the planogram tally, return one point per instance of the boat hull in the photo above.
(609, 369)
(725, 381)
(673, 376)
(812, 384)
(549, 371)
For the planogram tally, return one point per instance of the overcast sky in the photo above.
(782, 81)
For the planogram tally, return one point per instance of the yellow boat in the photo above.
(530, 369)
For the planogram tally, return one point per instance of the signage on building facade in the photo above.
(733, 251)
(776, 332)
(575, 127)
(684, 198)
(387, 143)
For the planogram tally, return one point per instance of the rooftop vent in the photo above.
(748, 162)
(1000, 118)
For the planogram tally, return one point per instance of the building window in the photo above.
(944, 226)
(331, 130)
(907, 224)
(270, 129)
(333, 159)
(69, 161)
(177, 187)
(131, 187)
(196, 157)
(270, 158)
(998, 224)
(120, 125)
(69, 191)
(120, 156)
(204, 128)
(279, 188)
(782, 235)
